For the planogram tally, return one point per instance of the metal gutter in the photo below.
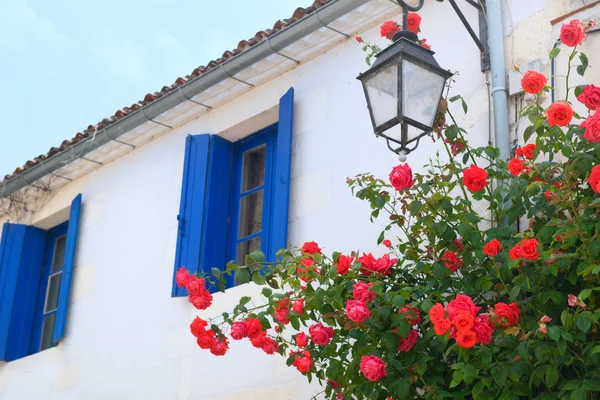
(319, 18)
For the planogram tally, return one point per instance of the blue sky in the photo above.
(66, 64)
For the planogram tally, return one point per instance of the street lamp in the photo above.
(404, 89)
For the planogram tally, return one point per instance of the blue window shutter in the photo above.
(67, 272)
(191, 207)
(21, 254)
(281, 175)
(214, 245)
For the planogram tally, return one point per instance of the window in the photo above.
(35, 278)
(234, 197)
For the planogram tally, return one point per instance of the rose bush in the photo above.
(498, 301)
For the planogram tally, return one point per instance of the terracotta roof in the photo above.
(150, 97)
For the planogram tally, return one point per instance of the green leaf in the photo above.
(554, 52)
(596, 350)
(591, 385)
(584, 64)
(554, 333)
(398, 301)
(514, 292)
(552, 376)
(415, 207)
(242, 275)
(585, 294)
(579, 394)
(391, 341)
(584, 324)
(267, 292)
(257, 256)
(245, 300)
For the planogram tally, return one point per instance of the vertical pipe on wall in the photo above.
(499, 90)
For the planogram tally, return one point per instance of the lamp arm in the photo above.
(405, 6)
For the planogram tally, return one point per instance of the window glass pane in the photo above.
(47, 331)
(59, 254)
(52, 292)
(253, 168)
(246, 247)
(251, 211)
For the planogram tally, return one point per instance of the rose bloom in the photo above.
(529, 150)
(298, 306)
(459, 243)
(343, 264)
(529, 249)
(258, 340)
(594, 179)
(357, 311)
(197, 327)
(545, 318)
(384, 264)
(362, 292)
(401, 177)
(220, 347)
(507, 314)
(195, 286)
(238, 330)
(519, 152)
(388, 29)
(437, 313)
(406, 344)
(466, 338)
(359, 39)
(590, 97)
(462, 303)
(253, 327)
(483, 329)
(515, 166)
(559, 113)
(592, 128)
(451, 261)
(442, 326)
(533, 82)
(269, 346)
(411, 314)
(572, 300)
(573, 33)
(207, 340)
(387, 243)
(311, 248)
(548, 195)
(464, 320)
(367, 263)
(372, 368)
(475, 178)
(543, 328)
(414, 22)
(201, 301)
(320, 334)
(301, 339)
(182, 277)
(515, 252)
(426, 45)
(492, 248)
(281, 315)
(303, 364)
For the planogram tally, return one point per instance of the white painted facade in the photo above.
(126, 337)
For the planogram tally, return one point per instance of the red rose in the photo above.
(343, 264)
(388, 29)
(281, 315)
(320, 334)
(298, 306)
(483, 329)
(459, 244)
(592, 128)
(507, 315)
(548, 195)
(515, 166)
(442, 326)
(533, 82)
(411, 314)
(197, 327)
(357, 311)
(414, 22)
(451, 261)
(207, 340)
(573, 33)
(195, 286)
(384, 264)
(559, 113)
(462, 303)
(258, 340)
(475, 178)
(367, 263)
(407, 343)
(590, 97)
(359, 39)
(301, 339)
(201, 301)
(426, 45)
(253, 327)
(387, 243)
(519, 152)
(303, 364)
(401, 177)
(529, 150)
(463, 320)
(437, 313)
(466, 338)
(238, 330)
(515, 252)
(182, 277)
(372, 368)
(269, 346)
(362, 292)
(594, 179)
(220, 348)
(529, 249)
(311, 248)
(492, 248)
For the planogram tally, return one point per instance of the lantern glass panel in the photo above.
(382, 90)
(421, 93)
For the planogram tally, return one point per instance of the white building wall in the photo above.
(127, 338)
